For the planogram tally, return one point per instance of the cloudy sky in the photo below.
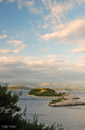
(42, 41)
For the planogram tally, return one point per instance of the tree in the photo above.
(9, 115)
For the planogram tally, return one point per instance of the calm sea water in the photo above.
(72, 117)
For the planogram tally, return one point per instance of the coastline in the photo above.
(43, 96)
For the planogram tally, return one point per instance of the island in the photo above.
(45, 92)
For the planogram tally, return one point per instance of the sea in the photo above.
(71, 117)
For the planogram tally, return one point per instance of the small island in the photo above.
(45, 92)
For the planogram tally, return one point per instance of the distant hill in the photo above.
(56, 86)
(15, 87)
(59, 87)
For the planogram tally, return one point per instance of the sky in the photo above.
(42, 41)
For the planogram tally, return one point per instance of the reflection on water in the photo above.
(70, 117)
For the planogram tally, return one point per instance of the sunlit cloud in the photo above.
(17, 46)
(16, 42)
(5, 51)
(29, 67)
(80, 49)
(57, 11)
(3, 36)
(74, 28)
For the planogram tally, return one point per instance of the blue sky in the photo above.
(42, 41)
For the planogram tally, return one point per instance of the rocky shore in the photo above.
(68, 100)
(67, 103)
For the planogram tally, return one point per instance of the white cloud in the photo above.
(37, 63)
(74, 30)
(57, 11)
(30, 5)
(3, 36)
(53, 69)
(80, 49)
(16, 42)
(17, 46)
(5, 51)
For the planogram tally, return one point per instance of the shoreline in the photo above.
(43, 96)
(71, 102)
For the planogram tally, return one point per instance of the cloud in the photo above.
(5, 51)
(15, 42)
(3, 36)
(71, 33)
(52, 56)
(75, 28)
(80, 49)
(81, 58)
(17, 46)
(28, 4)
(31, 5)
(57, 11)
(49, 70)
(37, 63)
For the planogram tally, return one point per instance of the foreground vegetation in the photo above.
(10, 117)
(44, 92)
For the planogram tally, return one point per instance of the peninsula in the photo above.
(66, 100)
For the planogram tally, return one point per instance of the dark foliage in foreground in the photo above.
(11, 119)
